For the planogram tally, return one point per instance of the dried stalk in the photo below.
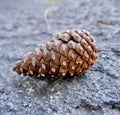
(47, 11)
(107, 26)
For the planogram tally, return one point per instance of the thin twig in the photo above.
(48, 10)
(107, 26)
(58, 80)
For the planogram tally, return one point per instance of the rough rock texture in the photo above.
(23, 27)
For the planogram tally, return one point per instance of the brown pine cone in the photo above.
(70, 52)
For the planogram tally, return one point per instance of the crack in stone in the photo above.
(113, 105)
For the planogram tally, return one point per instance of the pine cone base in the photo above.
(70, 52)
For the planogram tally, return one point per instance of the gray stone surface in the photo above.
(23, 27)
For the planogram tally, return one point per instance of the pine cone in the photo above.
(70, 52)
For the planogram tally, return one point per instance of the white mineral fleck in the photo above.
(77, 62)
(38, 75)
(53, 69)
(21, 69)
(63, 74)
(64, 47)
(73, 55)
(31, 72)
(43, 66)
(71, 74)
(53, 56)
(33, 61)
(43, 75)
(64, 63)
(73, 67)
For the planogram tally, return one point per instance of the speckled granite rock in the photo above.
(22, 28)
